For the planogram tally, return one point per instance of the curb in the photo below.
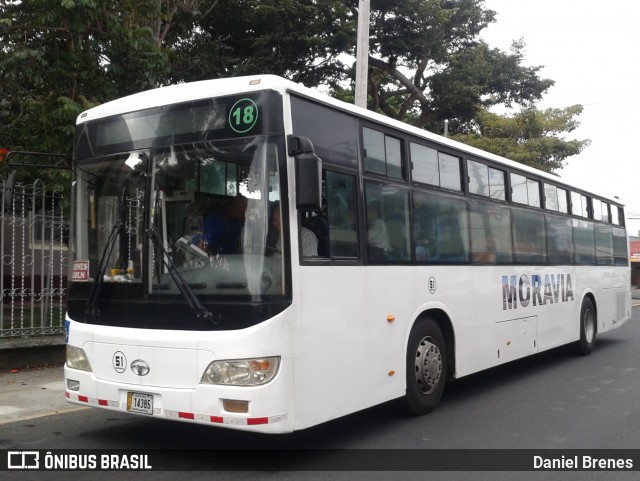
(30, 352)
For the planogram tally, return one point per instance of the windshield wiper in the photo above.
(195, 304)
(94, 294)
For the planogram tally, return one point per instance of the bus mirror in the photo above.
(308, 168)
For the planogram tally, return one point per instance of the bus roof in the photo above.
(185, 92)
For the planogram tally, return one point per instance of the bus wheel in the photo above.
(588, 327)
(426, 367)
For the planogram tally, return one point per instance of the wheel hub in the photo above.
(589, 326)
(428, 365)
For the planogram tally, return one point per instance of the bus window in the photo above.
(529, 237)
(435, 168)
(584, 242)
(559, 239)
(342, 216)
(490, 227)
(605, 213)
(387, 223)
(525, 191)
(597, 209)
(615, 215)
(555, 199)
(449, 171)
(604, 245)
(424, 164)
(579, 205)
(563, 203)
(551, 197)
(440, 228)
(485, 181)
(620, 247)
(382, 153)
(332, 132)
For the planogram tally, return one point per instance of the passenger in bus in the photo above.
(222, 229)
(319, 226)
(378, 236)
(309, 239)
(426, 230)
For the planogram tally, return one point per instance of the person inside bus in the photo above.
(309, 239)
(378, 236)
(222, 229)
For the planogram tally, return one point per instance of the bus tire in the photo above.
(588, 327)
(426, 367)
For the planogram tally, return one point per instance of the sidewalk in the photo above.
(32, 393)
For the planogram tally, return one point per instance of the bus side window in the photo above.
(490, 230)
(529, 237)
(341, 216)
(387, 215)
(440, 225)
(584, 242)
(560, 239)
(604, 245)
(620, 247)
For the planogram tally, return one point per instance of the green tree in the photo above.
(533, 137)
(59, 57)
(427, 62)
(298, 39)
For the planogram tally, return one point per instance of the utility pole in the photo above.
(362, 54)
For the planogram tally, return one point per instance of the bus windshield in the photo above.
(204, 210)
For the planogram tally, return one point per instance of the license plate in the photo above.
(141, 403)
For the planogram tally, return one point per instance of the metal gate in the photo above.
(34, 242)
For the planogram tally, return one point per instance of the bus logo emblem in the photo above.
(140, 367)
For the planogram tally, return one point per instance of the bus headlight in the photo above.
(241, 372)
(77, 359)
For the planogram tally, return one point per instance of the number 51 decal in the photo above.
(243, 115)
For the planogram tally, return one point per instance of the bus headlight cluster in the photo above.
(77, 359)
(241, 372)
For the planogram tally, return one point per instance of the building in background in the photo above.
(634, 257)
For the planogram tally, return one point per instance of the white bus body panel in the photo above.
(350, 355)
(177, 361)
(342, 342)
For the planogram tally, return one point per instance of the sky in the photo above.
(592, 52)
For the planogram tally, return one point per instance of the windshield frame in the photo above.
(258, 208)
(134, 299)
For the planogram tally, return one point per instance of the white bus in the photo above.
(250, 254)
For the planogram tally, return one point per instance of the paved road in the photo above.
(555, 400)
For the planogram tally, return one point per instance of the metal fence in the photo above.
(34, 239)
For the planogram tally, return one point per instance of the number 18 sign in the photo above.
(243, 115)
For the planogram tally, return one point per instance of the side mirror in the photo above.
(308, 169)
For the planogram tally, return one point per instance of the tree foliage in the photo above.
(298, 39)
(427, 62)
(59, 57)
(531, 136)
